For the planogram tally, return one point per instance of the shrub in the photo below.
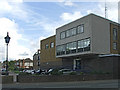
(56, 72)
(73, 73)
(81, 73)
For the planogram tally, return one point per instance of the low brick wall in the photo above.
(62, 78)
(7, 79)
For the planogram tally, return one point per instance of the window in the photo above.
(71, 48)
(114, 45)
(60, 50)
(114, 34)
(73, 31)
(52, 44)
(62, 35)
(80, 46)
(84, 45)
(80, 29)
(38, 64)
(68, 33)
(46, 46)
(38, 57)
(87, 45)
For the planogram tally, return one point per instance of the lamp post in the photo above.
(7, 40)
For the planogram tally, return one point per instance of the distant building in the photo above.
(47, 57)
(24, 63)
(36, 60)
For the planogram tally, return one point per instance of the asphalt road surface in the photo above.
(80, 84)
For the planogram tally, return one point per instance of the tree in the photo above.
(11, 65)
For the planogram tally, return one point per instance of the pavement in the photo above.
(81, 84)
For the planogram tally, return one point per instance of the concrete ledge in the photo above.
(7, 79)
(61, 78)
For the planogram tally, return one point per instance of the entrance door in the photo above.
(77, 64)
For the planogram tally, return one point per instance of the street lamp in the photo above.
(7, 40)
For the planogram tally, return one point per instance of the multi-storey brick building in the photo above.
(47, 57)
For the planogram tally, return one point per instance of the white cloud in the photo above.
(71, 16)
(69, 3)
(112, 10)
(15, 49)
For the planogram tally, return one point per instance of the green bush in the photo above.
(73, 73)
(81, 73)
(56, 72)
(17, 72)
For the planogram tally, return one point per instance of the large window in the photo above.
(84, 45)
(80, 29)
(74, 47)
(114, 34)
(80, 46)
(62, 35)
(71, 47)
(87, 45)
(60, 50)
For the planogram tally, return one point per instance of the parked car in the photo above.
(38, 71)
(66, 71)
(48, 72)
(30, 71)
(3, 72)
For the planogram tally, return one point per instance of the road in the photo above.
(80, 84)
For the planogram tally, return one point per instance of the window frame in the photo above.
(115, 33)
(46, 46)
(52, 45)
(61, 35)
(115, 44)
(79, 30)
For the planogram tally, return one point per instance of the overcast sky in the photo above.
(28, 21)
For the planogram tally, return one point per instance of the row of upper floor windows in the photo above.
(74, 47)
(71, 32)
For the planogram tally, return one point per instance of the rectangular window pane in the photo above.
(60, 50)
(68, 33)
(87, 45)
(46, 46)
(52, 45)
(114, 34)
(84, 45)
(80, 46)
(114, 45)
(73, 31)
(80, 29)
(62, 35)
